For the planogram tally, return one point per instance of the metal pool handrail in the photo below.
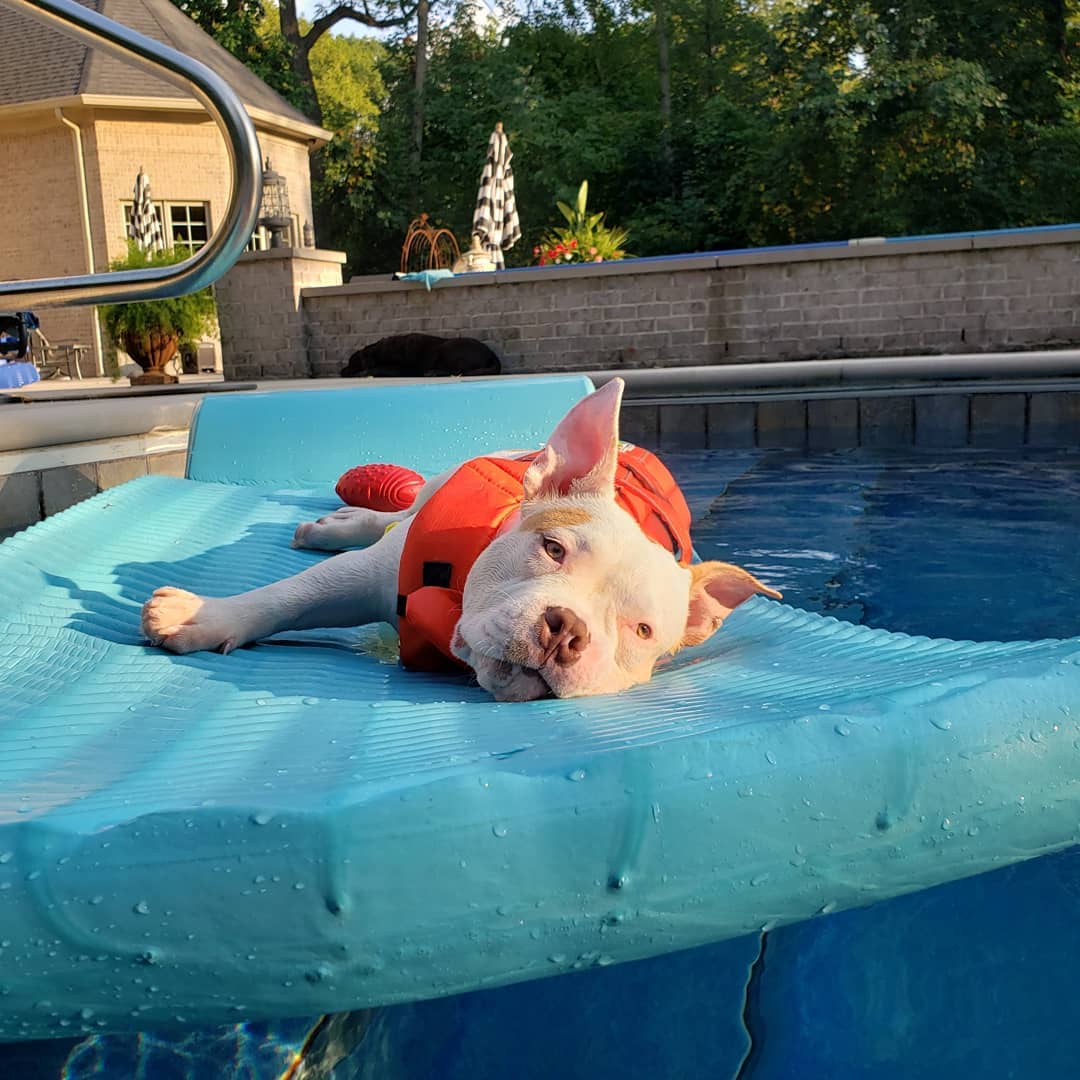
(219, 100)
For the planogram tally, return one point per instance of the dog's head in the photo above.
(575, 599)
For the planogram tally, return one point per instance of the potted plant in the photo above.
(152, 331)
(585, 238)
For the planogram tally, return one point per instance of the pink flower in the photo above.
(592, 251)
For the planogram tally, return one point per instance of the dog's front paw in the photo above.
(182, 622)
(349, 526)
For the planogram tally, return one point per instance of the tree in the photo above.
(241, 27)
(349, 83)
(301, 38)
(699, 124)
(419, 81)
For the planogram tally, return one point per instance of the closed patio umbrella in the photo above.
(145, 225)
(495, 219)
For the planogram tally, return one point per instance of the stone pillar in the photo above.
(263, 335)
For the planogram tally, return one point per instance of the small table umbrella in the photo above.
(495, 219)
(145, 225)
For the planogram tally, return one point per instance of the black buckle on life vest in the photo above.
(437, 574)
(431, 573)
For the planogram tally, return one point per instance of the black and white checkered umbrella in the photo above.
(495, 219)
(145, 225)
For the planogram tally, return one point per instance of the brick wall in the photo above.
(963, 294)
(263, 335)
(42, 234)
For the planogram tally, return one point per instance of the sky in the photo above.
(306, 10)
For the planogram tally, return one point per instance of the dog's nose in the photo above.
(563, 636)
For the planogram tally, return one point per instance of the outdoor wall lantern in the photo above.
(275, 214)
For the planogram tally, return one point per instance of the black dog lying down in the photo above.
(416, 355)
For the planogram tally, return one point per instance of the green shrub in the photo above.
(152, 331)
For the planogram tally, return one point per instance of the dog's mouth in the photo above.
(504, 679)
(516, 682)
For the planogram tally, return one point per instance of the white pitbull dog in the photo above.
(568, 597)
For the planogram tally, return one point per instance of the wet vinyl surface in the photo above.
(974, 977)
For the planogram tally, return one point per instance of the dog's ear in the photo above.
(716, 589)
(581, 455)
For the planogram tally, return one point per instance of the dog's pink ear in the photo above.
(581, 455)
(716, 590)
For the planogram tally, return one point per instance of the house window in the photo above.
(260, 239)
(186, 225)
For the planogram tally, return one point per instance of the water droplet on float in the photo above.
(656, 813)
(760, 879)
(942, 723)
(499, 830)
(842, 729)
(6, 856)
(262, 818)
(577, 776)
(770, 757)
(141, 908)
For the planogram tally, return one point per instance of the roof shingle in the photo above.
(42, 63)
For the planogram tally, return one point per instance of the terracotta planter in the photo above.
(152, 351)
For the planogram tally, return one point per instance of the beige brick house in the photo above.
(77, 124)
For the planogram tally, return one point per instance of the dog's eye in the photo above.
(644, 631)
(554, 549)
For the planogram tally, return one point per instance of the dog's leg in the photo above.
(352, 589)
(355, 526)
(349, 526)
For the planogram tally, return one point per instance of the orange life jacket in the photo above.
(454, 526)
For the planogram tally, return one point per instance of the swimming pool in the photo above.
(962, 544)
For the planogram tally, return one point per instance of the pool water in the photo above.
(975, 977)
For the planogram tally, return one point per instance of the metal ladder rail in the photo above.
(220, 101)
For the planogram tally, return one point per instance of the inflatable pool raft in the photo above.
(302, 827)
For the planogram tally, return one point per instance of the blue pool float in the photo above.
(303, 827)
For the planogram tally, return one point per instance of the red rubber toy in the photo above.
(380, 487)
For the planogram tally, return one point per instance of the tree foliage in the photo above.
(152, 331)
(725, 123)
